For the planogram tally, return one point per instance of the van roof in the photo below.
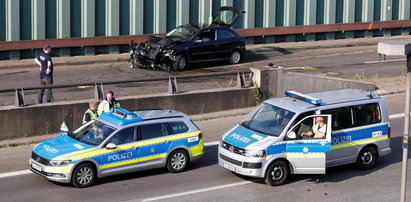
(328, 98)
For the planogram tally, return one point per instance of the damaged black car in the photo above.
(193, 43)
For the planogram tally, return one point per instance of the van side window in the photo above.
(151, 131)
(305, 125)
(177, 127)
(367, 114)
(342, 118)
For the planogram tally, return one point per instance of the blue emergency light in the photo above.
(120, 116)
(303, 97)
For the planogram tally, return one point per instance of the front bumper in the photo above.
(53, 173)
(248, 166)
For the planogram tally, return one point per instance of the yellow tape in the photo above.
(132, 161)
(360, 142)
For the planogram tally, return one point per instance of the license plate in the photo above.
(37, 167)
(229, 167)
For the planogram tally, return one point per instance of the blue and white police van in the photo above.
(305, 133)
(119, 142)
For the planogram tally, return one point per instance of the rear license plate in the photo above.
(229, 167)
(37, 167)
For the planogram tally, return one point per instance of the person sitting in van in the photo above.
(318, 130)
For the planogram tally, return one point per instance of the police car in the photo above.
(304, 134)
(119, 142)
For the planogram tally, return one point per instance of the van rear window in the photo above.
(358, 115)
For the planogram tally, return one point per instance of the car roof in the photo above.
(122, 117)
(327, 97)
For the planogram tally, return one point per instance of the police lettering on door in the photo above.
(119, 156)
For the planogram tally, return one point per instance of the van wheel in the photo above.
(83, 175)
(177, 161)
(277, 173)
(235, 57)
(366, 158)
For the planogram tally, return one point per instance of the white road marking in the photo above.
(196, 191)
(383, 61)
(207, 144)
(394, 116)
(15, 173)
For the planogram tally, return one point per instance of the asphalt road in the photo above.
(345, 62)
(205, 180)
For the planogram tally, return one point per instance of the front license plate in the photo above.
(229, 167)
(37, 167)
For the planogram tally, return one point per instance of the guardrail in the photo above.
(98, 91)
(252, 32)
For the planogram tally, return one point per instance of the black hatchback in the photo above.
(193, 43)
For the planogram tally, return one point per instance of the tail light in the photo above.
(200, 135)
(389, 132)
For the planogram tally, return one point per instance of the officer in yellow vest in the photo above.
(108, 103)
(91, 112)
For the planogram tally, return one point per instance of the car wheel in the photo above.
(177, 161)
(277, 173)
(366, 158)
(83, 175)
(235, 57)
(181, 63)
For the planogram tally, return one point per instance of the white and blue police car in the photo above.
(305, 133)
(119, 142)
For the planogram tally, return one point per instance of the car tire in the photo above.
(277, 173)
(366, 158)
(83, 175)
(177, 161)
(235, 57)
(181, 63)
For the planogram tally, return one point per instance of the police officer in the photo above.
(46, 73)
(108, 103)
(91, 112)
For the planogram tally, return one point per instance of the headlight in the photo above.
(131, 52)
(60, 162)
(252, 153)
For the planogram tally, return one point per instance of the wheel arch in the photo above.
(90, 161)
(282, 158)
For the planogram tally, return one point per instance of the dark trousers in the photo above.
(45, 80)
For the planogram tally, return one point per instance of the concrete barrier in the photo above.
(274, 82)
(29, 121)
(46, 118)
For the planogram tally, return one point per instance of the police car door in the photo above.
(307, 153)
(154, 144)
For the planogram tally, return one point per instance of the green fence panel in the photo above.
(358, 11)
(25, 20)
(2, 21)
(377, 10)
(171, 15)
(148, 16)
(300, 12)
(51, 19)
(240, 5)
(75, 18)
(100, 20)
(339, 13)
(124, 17)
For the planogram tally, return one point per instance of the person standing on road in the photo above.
(108, 103)
(46, 73)
(91, 112)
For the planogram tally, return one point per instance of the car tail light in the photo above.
(389, 132)
(200, 135)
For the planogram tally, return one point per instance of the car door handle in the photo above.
(166, 141)
(134, 147)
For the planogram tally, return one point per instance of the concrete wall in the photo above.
(46, 118)
(274, 82)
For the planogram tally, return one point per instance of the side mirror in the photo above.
(111, 146)
(291, 135)
(198, 41)
(64, 128)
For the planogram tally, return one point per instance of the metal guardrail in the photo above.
(251, 32)
(172, 84)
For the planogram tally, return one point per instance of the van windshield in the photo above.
(267, 119)
(93, 133)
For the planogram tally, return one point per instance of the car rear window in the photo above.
(177, 127)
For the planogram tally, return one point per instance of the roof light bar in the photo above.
(304, 97)
(124, 113)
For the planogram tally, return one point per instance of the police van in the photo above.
(305, 133)
(119, 142)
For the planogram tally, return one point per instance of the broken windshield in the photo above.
(182, 32)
